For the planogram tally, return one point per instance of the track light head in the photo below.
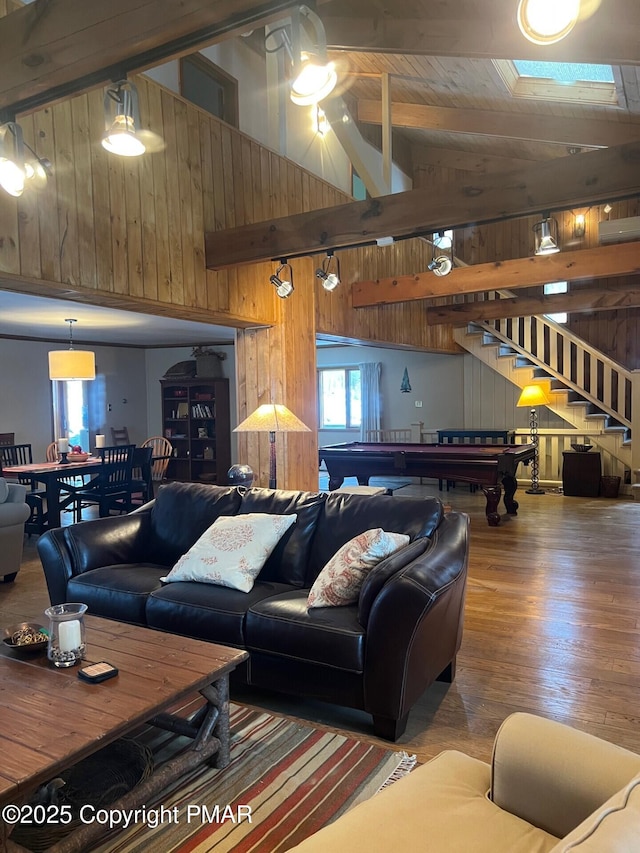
(547, 21)
(441, 265)
(313, 76)
(282, 280)
(329, 273)
(546, 236)
(122, 121)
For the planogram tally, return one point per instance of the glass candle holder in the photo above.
(66, 633)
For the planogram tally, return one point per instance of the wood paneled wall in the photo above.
(129, 233)
(615, 333)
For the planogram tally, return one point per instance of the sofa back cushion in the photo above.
(180, 515)
(290, 558)
(345, 516)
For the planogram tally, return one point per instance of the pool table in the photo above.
(487, 465)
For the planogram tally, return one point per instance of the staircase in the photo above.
(590, 391)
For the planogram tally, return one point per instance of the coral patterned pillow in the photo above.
(232, 551)
(340, 580)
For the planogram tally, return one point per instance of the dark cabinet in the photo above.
(196, 420)
(581, 474)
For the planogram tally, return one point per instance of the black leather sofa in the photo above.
(378, 655)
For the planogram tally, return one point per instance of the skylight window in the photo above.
(572, 82)
(565, 72)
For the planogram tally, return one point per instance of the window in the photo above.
(209, 87)
(339, 401)
(560, 81)
(556, 287)
(70, 412)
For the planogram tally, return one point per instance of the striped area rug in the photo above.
(291, 778)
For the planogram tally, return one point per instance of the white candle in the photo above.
(69, 635)
(99, 440)
(63, 445)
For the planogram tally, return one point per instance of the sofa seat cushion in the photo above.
(117, 592)
(205, 611)
(285, 626)
(441, 807)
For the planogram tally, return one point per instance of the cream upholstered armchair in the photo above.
(549, 789)
(14, 511)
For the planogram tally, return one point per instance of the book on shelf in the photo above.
(202, 410)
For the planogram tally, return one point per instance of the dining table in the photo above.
(51, 474)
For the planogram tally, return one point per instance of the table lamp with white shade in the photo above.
(534, 395)
(272, 418)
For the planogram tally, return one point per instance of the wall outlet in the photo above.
(418, 404)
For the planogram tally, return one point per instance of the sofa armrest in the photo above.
(415, 623)
(554, 776)
(69, 551)
(17, 493)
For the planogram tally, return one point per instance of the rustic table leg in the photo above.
(221, 729)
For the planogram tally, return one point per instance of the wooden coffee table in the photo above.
(51, 719)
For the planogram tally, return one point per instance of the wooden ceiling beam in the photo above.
(480, 30)
(55, 48)
(563, 183)
(561, 130)
(574, 301)
(584, 265)
(466, 161)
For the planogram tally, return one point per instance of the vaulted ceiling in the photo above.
(444, 65)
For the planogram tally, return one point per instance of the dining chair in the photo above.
(21, 454)
(68, 485)
(141, 478)
(162, 453)
(120, 437)
(110, 488)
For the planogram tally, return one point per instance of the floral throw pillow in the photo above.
(232, 551)
(340, 580)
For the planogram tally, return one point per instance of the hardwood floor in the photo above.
(551, 627)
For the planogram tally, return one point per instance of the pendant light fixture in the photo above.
(122, 121)
(69, 364)
(547, 21)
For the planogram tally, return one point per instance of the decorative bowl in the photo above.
(582, 448)
(78, 457)
(12, 633)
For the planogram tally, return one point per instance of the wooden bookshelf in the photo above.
(196, 420)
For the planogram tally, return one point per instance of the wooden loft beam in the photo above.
(574, 301)
(564, 131)
(583, 265)
(54, 48)
(467, 161)
(566, 182)
(611, 36)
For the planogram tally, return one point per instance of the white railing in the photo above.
(552, 443)
(597, 378)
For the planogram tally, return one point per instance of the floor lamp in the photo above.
(534, 395)
(272, 418)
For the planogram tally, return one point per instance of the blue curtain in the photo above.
(370, 393)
